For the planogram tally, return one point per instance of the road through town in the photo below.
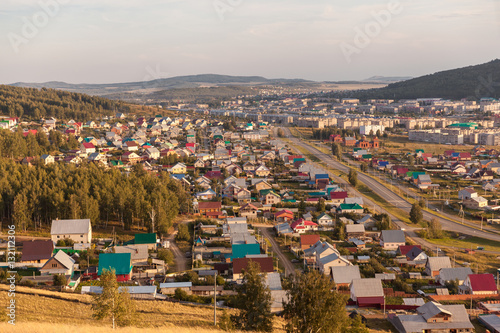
(387, 194)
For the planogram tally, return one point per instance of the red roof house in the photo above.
(479, 284)
(301, 226)
(307, 241)
(239, 264)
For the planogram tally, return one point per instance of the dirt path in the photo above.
(289, 268)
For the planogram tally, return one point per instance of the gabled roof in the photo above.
(266, 264)
(436, 263)
(63, 259)
(367, 287)
(393, 236)
(67, 227)
(120, 262)
(432, 309)
(309, 239)
(482, 282)
(145, 238)
(450, 274)
(209, 205)
(37, 250)
(345, 274)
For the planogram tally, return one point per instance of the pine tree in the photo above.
(255, 300)
(112, 302)
(416, 214)
(353, 177)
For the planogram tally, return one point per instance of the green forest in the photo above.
(16, 145)
(31, 197)
(33, 104)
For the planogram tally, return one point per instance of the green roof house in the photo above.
(149, 239)
(121, 263)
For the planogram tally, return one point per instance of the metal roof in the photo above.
(345, 274)
(367, 287)
(176, 285)
(62, 227)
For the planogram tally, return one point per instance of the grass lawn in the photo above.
(489, 245)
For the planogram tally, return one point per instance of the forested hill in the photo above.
(472, 82)
(31, 103)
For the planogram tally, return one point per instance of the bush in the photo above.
(166, 255)
(66, 242)
(225, 322)
(59, 280)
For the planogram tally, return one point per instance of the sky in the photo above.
(108, 41)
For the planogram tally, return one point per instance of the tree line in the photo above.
(34, 104)
(31, 197)
(16, 145)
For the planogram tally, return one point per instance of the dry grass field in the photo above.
(41, 312)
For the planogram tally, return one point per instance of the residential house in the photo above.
(138, 253)
(392, 239)
(262, 185)
(130, 157)
(208, 194)
(146, 239)
(283, 215)
(37, 251)
(153, 153)
(47, 159)
(179, 168)
(262, 171)
(433, 317)
(435, 264)
(120, 262)
(270, 197)
(325, 220)
(131, 146)
(266, 265)
(350, 208)
(60, 263)
(344, 275)
(301, 226)
(325, 256)
(453, 274)
(249, 210)
(87, 148)
(476, 203)
(479, 284)
(307, 241)
(80, 231)
(210, 208)
(355, 231)
(467, 193)
(367, 292)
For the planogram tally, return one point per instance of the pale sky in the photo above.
(105, 41)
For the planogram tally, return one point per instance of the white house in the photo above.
(467, 193)
(80, 231)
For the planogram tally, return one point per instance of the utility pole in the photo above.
(215, 298)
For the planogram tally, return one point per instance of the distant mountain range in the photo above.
(187, 82)
(468, 82)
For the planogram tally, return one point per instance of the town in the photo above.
(397, 211)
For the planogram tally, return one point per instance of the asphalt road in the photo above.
(289, 268)
(389, 195)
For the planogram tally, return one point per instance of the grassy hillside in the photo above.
(30, 103)
(472, 82)
(44, 313)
